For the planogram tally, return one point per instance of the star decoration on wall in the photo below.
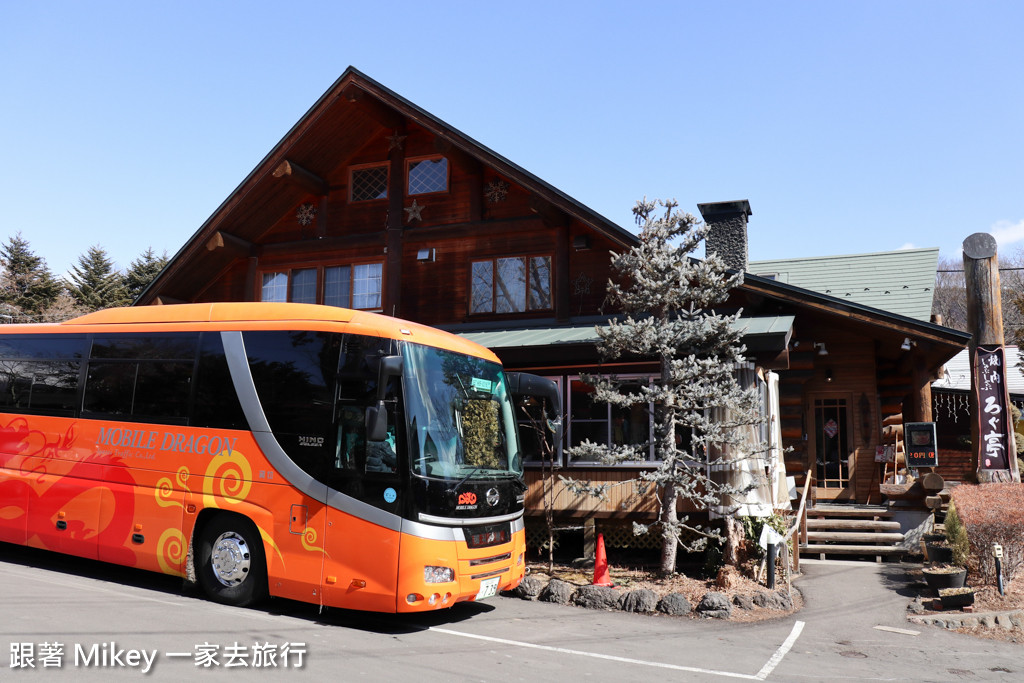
(496, 191)
(305, 214)
(395, 141)
(414, 212)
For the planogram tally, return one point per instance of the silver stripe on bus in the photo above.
(433, 533)
(241, 377)
(476, 521)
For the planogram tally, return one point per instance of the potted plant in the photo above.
(948, 576)
(956, 597)
(939, 554)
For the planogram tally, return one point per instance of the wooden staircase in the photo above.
(857, 530)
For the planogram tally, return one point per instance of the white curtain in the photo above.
(745, 470)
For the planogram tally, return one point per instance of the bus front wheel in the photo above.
(232, 569)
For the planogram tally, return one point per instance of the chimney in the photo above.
(727, 231)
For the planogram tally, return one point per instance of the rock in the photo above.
(529, 589)
(916, 607)
(779, 600)
(596, 597)
(715, 606)
(1017, 619)
(1003, 622)
(988, 621)
(743, 601)
(674, 604)
(557, 591)
(582, 563)
(641, 600)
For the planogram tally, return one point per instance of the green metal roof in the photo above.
(755, 329)
(900, 282)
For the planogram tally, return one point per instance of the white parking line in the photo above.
(761, 675)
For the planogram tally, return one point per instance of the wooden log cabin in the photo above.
(370, 202)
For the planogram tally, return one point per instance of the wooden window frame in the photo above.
(431, 157)
(527, 259)
(321, 269)
(607, 422)
(355, 168)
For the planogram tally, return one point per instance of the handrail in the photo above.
(799, 523)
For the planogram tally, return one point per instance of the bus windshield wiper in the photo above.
(463, 480)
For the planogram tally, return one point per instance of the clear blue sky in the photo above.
(850, 126)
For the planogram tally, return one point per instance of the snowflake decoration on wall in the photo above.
(581, 285)
(496, 191)
(305, 214)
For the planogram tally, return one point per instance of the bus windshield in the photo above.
(461, 421)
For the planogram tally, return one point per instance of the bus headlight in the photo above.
(438, 574)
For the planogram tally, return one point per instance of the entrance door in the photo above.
(830, 445)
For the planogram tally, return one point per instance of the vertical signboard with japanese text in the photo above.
(995, 425)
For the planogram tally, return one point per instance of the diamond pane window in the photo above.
(428, 175)
(304, 286)
(275, 287)
(369, 182)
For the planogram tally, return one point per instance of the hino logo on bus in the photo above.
(492, 497)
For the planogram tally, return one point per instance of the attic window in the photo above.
(369, 182)
(427, 175)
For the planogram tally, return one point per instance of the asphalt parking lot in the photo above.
(111, 621)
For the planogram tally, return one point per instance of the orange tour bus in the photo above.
(307, 452)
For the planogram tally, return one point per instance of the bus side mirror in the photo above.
(390, 366)
(522, 384)
(376, 422)
(377, 415)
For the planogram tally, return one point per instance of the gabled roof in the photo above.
(354, 108)
(901, 282)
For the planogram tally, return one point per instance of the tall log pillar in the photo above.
(985, 323)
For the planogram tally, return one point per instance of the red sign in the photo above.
(831, 429)
(467, 498)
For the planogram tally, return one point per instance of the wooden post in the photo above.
(392, 294)
(985, 323)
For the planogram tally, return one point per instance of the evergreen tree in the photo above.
(701, 414)
(141, 272)
(28, 287)
(94, 283)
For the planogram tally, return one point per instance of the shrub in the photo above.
(992, 513)
(956, 534)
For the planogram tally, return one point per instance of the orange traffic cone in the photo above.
(601, 576)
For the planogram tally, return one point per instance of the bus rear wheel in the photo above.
(232, 568)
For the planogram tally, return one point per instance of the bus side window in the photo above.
(351, 438)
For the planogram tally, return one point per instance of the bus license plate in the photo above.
(488, 588)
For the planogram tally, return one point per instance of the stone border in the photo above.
(713, 605)
(1004, 620)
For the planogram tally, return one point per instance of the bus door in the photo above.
(366, 493)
